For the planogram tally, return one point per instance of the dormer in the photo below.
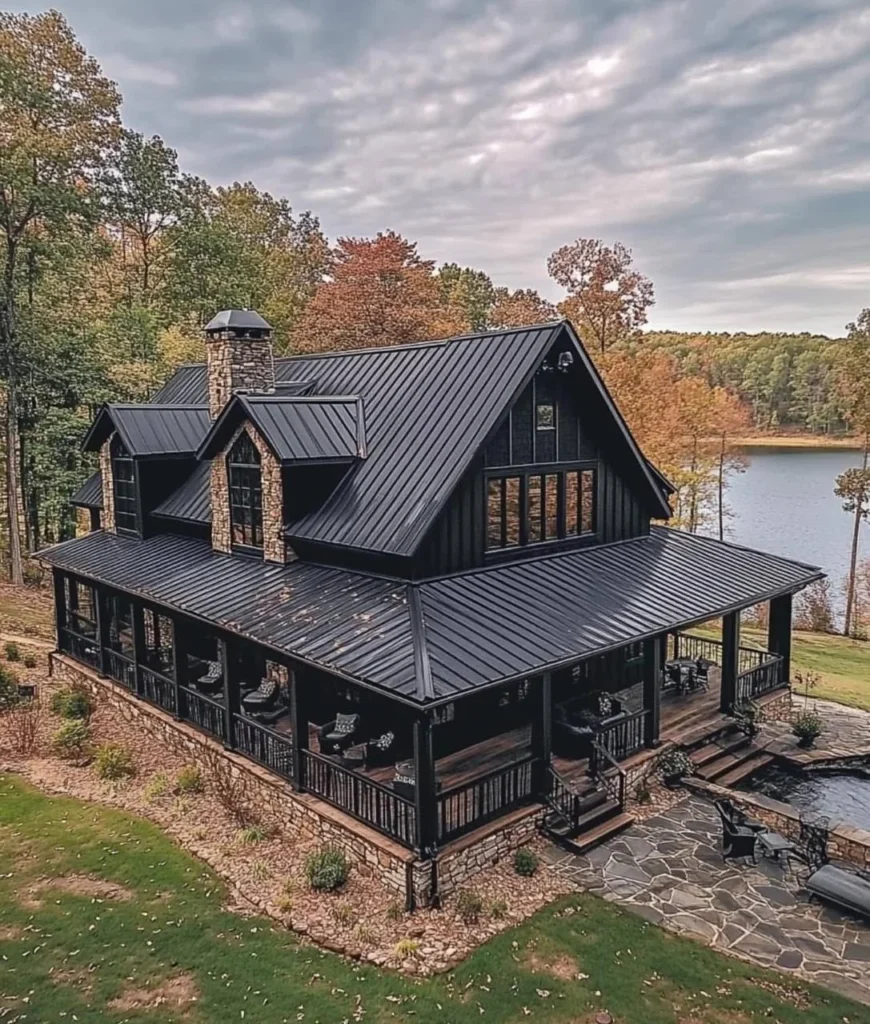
(145, 451)
(271, 456)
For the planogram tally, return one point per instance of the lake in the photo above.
(785, 503)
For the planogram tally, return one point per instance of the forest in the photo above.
(113, 257)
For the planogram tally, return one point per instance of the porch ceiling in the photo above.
(459, 633)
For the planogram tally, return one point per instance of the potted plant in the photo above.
(673, 766)
(807, 726)
(747, 716)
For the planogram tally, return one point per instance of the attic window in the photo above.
(246, 494)
(124, 485)
(545, 417)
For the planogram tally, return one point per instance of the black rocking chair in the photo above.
(738, 842)
(734, 817)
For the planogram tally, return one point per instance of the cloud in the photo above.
(727, 144)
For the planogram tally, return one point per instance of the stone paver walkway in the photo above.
(669, 870)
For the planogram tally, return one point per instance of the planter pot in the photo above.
(806, 741)
(672, 781)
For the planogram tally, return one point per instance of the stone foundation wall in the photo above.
(777, 709)
(108, 515)
(845, 843)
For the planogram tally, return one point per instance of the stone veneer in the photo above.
(108, 515)
(237, 364)
(275, 548)
(274, 801)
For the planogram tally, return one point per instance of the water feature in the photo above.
(842, 795)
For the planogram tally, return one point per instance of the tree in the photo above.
(813, 609)
(519, 308)
(607, 299)
(468, 291)
(379, 292)
(730, 418)
(853, 486)
(58, 119)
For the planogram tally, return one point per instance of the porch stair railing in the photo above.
(607, 773)
(624, 736)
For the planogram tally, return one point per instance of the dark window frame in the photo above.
(125, 488)
(539, 481)
(245, 487)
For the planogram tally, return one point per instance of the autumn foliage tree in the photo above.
(607, 298)
(520, 307)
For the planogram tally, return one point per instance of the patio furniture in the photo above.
(812, 844)
(380, 749)
(843, 888)
(336, 736)
(738, 842)
(405, 779)
(700, 674)
(774, 845)
(264, 697)
(575, 724)
(212, 679)
(732, 815)
(354, 757)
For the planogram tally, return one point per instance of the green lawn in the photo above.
(66, 955)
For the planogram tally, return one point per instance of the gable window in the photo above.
(124, 485)
(545, 416)
(246, 494)
(536, 507)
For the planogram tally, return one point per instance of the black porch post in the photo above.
(779, 632)
(425, 797)
(137, 623)
(542, 736)
(730, 659)
(59, 607)
(652, 690)
(299, 716)
(101, 612)
(179, 667)
(231, 693)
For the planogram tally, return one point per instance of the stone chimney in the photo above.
(239, 356)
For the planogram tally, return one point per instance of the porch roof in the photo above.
(435, 640)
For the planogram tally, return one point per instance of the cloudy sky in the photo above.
(727, 143)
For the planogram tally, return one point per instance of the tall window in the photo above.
(124, 483)
(536, 507)
(246, 494)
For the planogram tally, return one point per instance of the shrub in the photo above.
(260, 871)
(114, 762)
(343, 913)
(189, 780)
(21, 726)
(643, 794)
(72, 703)
(807, 726)
(73, 738)
(394, 911)
(326, 870)
(30, 661)
(12, 651)
(156, 788)
(404, 949)
(525, 862)
(498, 910)
(469, 906)
(252, 834)
(9, 695)
(674, 764)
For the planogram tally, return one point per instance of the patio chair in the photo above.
(812, 844)
(336, 736)
(733, 816)
(213, 678)
(701, 676)
(405, 779)
(263, 698)
(738, 842)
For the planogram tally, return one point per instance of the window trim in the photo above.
(545, 472)
(120, 456)
(248, 468)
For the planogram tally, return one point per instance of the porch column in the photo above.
(137, 624)
(542, 736)
(101, 612)
(652, 690)
(231, 694)
(425, 797)
(179, 668)
(730, 659)
(779, 632)
(299, 717)
(59, 606)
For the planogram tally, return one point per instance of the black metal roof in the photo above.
(239, 319)
(437, 640)
(192, 501)
(150, 430)
(297, 429)
(90, 494)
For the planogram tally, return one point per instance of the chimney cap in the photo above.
(237, 319)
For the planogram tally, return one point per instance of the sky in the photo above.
(726, 143)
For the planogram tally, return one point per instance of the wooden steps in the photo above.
(600, 833)
(712, 751)
(731, 758)
(759, 759)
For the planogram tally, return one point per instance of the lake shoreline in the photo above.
(818, 441)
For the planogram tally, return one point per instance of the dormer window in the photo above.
(246, 494)
(124, 484)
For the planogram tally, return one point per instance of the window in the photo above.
(537, 507)
(124, 486)
(246, 494)
(545, 418)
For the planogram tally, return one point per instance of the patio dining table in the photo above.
(687, 668)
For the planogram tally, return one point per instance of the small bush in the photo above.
(643, 794)
(405, 949)
(20, 726)
(394, 911)
(189, 780)
(326, 870)
(807, 726)
(9, 696)
(674, 764)
(365, 934)
(525, 862)
(73, 738)
(469, 906)
(114, 762)
(343, 913)
(252, 834)
(72, 703)
(499, 910)
(12, 651)
(285, 903)
(30, 661)
(260, 871)
(156, 788)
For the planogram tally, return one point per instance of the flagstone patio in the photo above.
(669, 870)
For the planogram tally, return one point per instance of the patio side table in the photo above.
(776, 846)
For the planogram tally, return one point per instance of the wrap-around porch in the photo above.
(422, 777)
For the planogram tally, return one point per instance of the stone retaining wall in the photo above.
(845, 843)
(776, 709)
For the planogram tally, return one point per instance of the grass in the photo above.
(67, 956)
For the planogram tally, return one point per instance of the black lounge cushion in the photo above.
(212, 680)
(264, 696)
(844, 888)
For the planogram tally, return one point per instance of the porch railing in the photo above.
(203, 712)
(690, 645)
(607, 772)
(82, 648)
(157, 688)
(466, 807)
(363, 798)
(763, 678)
(272, 749)
(623, 737)
(120, 668)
